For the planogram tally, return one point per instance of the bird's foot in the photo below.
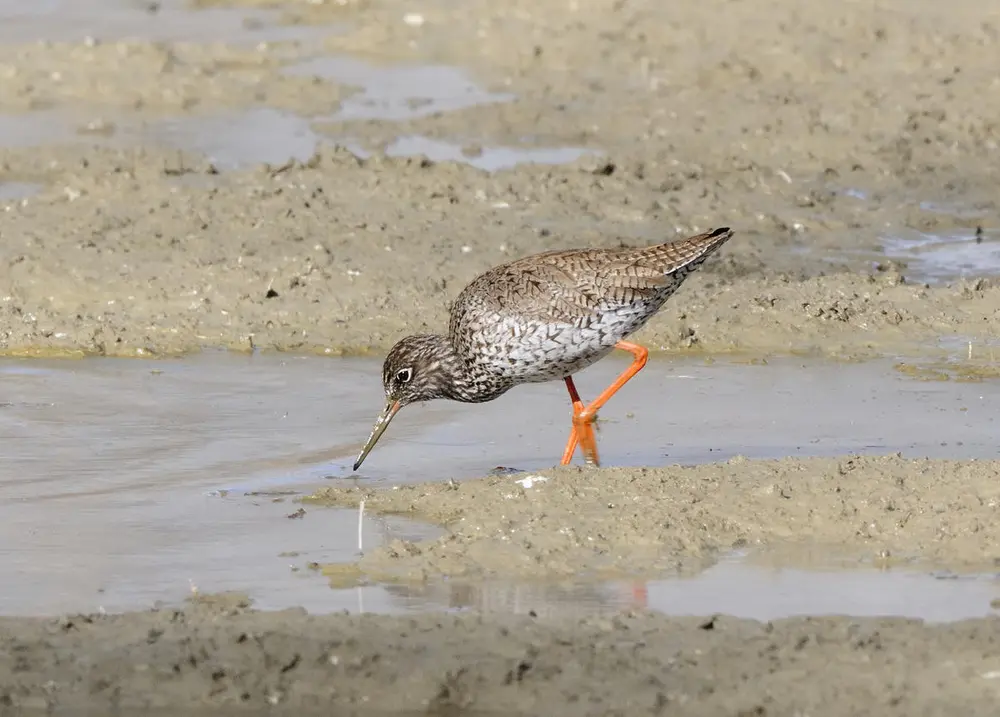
(582, 435)
(584, 426)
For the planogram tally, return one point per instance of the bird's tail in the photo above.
(685, 255)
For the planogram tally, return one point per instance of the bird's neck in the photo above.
(462, 379)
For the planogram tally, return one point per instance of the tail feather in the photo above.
(674, 256)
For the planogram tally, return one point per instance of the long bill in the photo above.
(381, 423)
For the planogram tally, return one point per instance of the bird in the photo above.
(540, 318)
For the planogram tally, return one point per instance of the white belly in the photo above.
(537, 352)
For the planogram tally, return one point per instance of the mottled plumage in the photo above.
(541, 318)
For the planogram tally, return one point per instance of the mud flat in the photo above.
(322, 177)
(220, 654)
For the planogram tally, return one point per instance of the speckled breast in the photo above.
(532, 351)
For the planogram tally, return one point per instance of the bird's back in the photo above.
(562, 310)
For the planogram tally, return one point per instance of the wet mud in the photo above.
(575, 521)
(207, 485)
(323, 177)
(218, 654)
(135, 241)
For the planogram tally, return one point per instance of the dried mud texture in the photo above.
(640, 521)
(220, 654)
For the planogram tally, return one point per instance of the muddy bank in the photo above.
(146, 252)
(162, 78)
(819, 138)
(220, 654)
(740, 91)
(575, 521)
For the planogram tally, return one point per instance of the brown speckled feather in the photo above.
(576, 285)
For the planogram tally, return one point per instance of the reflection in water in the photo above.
(541, 599)
(734, 588)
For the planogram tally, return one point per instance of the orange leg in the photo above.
(582, 433)
(640, 595)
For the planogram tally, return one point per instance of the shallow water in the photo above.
(109, 481)
(125, 482)
(936, 258)
(398, 92)
(12, 191)
(112, 20)
(237, 139)
(490, 159)
(230, 140)
(733, 587)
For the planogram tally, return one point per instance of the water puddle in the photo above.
(18, 190)
(245, 138)
(231, 141)
(124, 482)
(734, 588)
(234, 141)
(228, 140)
(406, 92)
(960, 346)
(162, 20)
(490, 159)
(36, 128)
(961, 209)
(965, 359)
(936, 258)
(399, 92)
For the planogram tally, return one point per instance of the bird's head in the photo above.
(417, 368)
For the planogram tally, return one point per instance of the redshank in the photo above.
(542, 318)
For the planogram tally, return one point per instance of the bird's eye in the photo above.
(404, 375)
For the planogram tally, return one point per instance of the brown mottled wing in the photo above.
(576, 287)
(684, 255)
